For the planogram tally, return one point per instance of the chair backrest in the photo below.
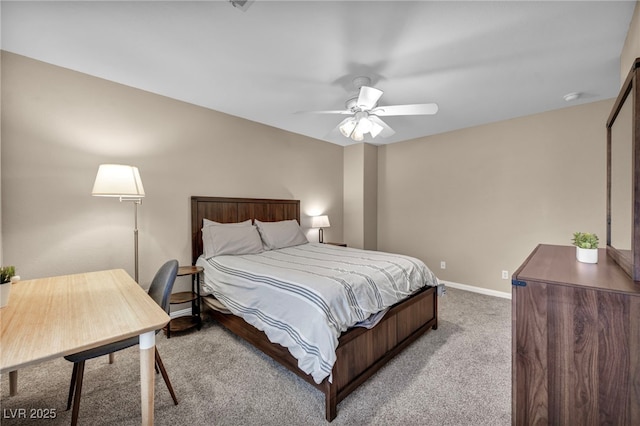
(162, 284)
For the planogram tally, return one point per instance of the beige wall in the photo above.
(1, 255)
(361, 196)
(370, 191)
(59, 125)
(354, 195)
(631, 48)
(482, 198)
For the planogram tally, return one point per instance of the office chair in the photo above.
(160, 291)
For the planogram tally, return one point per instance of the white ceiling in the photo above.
(480, 61)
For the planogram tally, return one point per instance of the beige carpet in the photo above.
(459, 374)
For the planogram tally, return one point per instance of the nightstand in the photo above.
(188, 321)
(337, 244)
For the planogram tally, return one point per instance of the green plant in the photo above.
(6, 272)
(585, 240)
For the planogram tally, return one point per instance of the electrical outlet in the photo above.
(505, 275)
(443, 264)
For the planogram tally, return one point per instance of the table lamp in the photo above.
(320, 222)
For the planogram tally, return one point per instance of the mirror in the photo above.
(621, 178)
(623, 174)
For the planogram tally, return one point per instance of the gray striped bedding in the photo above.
(304, 297)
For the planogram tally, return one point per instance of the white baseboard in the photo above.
(475, 289)
(180, 313)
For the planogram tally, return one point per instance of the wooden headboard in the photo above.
(229, 210)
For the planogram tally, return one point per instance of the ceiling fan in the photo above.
(365, 112)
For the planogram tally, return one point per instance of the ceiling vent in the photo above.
(243, 5)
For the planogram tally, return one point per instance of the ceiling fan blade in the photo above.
(337, 111)
(368, 97)
(386, 130)
(415, 109)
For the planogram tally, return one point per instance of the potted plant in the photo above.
(586, 247)
(6, 275)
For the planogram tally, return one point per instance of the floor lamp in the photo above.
(116, 180)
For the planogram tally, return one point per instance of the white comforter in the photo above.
(304, 297)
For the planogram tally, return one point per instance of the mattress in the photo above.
(304, 297)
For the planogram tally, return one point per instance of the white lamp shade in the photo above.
(320, 221)
(364, 125)
(347, 126)
(357, 136)
(117, 180)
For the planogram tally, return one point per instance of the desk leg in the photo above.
(13, 383)
(147, 376)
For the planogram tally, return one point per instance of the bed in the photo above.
(360, 351)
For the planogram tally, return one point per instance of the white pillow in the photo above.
(231, 240)
(207, 222)
(285, 233)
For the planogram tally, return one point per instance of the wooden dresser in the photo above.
(576, 341)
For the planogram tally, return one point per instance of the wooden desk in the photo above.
(52, 317)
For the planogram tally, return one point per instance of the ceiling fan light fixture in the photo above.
(347, 126)
(367, 113)
(357, 126)
(364, 125)
(357, 136)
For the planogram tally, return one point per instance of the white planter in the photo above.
(587, 255)
(5, 290)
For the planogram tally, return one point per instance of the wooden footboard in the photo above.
(361, 352)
